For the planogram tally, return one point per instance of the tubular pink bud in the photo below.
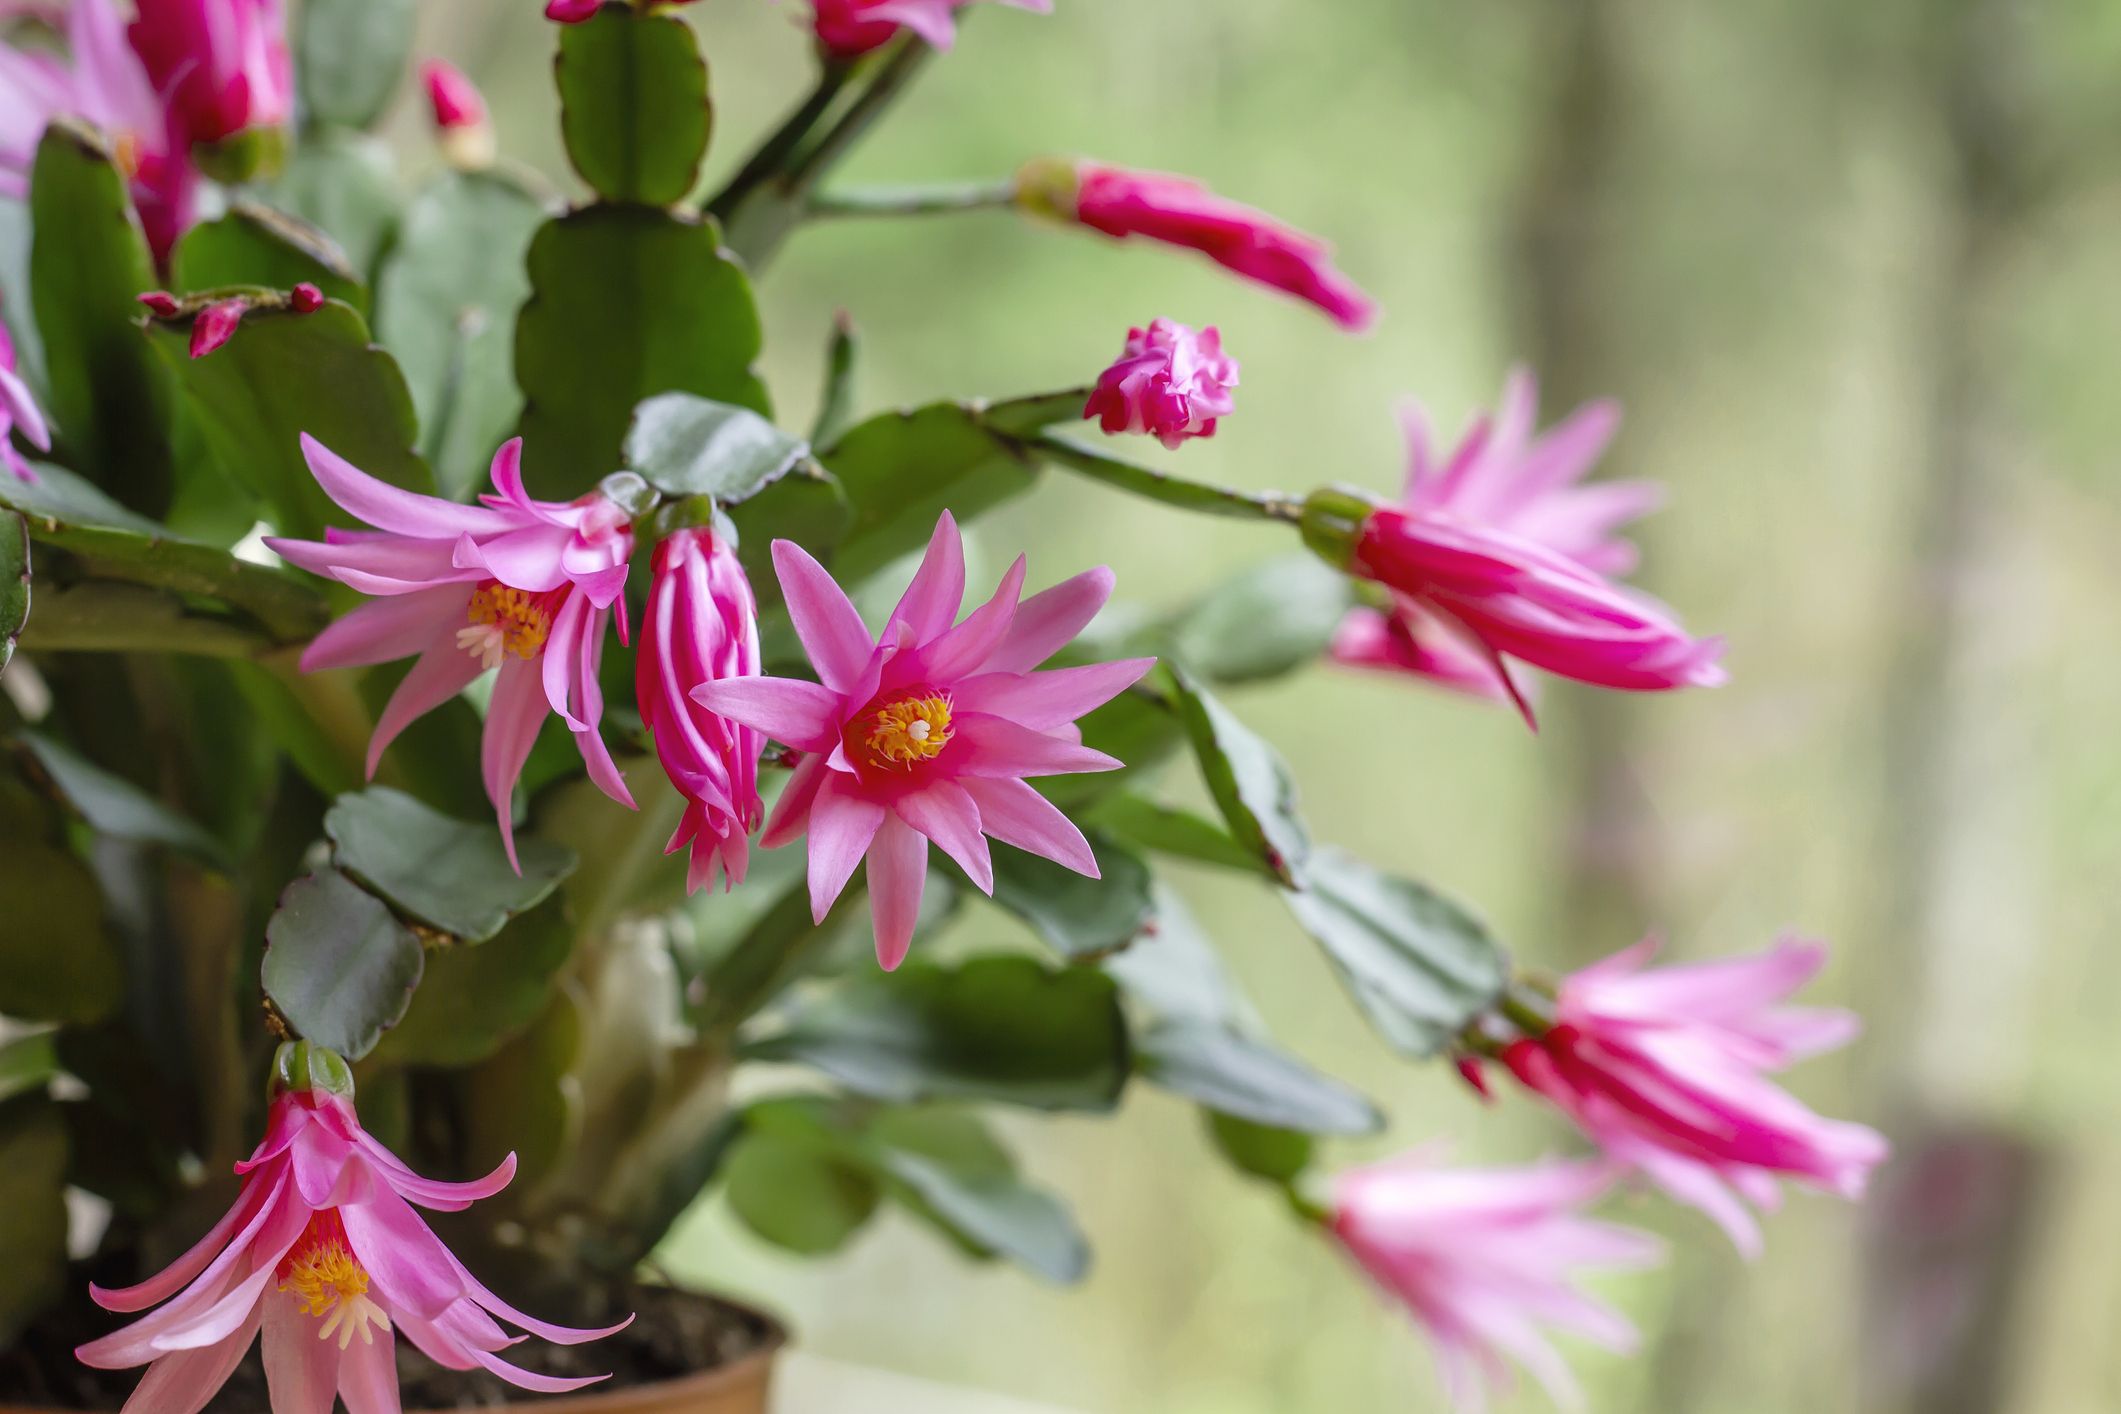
(160, 303)
(571, 12)
(847, 28)
(453, 98)
(305, 298)
(216, 324)
(1170, 383)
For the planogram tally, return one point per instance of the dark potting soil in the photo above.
(674, 1333)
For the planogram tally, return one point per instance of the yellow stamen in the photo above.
(328, 1281)
(504, 621)
(125, 153)
(909, 730)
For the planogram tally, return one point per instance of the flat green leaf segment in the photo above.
(450, 874)
(626, 302)
(1235, 1074)
(57, 961)
(691, 446)
(112, 543)
(284, 374)
(901, 470)
(1080, 917)
(14, 582)
(338, 964)
(446, 304)
(256, 245)
(115, 807)
(350, 56)
(1006, 1029)
(808, 1173)
(343, 182)
(474, 1000)
(1251, 784)
(1419, 965)
(109, 396)
(633, 104)
(33, 1162)
(1265, 623)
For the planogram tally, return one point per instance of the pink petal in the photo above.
(945, 813)
(368, 1375)
(791, 813)
(1043, 701)
(1016, 814)
(544, 1330)
(898, 871)
(443, 671)
(386, 564)
(513, 718)
(842, 824)
(803, 714)
(301, 1370)
(524, 1379)
(931, 601)
(1049, 621)
(404, 1259)
(557, 664)
(526, 559)
(386, 507)
(386, 629)
(995, 746)
(183, 1383)
(825, 619)
(433, 1192)
(589, 693)
(962, 649)
(165, 1284)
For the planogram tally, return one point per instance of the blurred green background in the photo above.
(1853, 270)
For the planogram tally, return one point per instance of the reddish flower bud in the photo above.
(850, 27)
(221, 65)
(453, 98)
(216, 324)
(160, 303)
(571, 12)
(1171, 383)
(305, 298)
(1470, 1071)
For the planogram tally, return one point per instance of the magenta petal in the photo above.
(842, 824)
(172, 1278)
(404, 1259)
(1016, 814)
(995, 746)
(433, 1192)
(1044, 701)
(962, 649)
(301, 1370)
(931, 601)
(368, 1376)
(803, 714)
(524, 1379)
(387, 507)
(898, 871)
(443, 671)
(388, 628)
(544, 1330)
(1049, 621)
(825, 620)
(945, 813)
(512, 721)
(791, 813)
(526, 559)
(184, 1382)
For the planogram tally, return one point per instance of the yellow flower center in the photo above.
(504, 621)
(328, 1282)
(909, 730)
(125, 153)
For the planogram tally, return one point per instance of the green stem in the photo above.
(1524, 1014)
(931, 200)
(781, 145)
(891, 80)
(1161, 486)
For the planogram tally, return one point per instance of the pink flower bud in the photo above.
(571, 12)
(1475, 1076)
(454, 98)
(847, 28)
(222, 65)
(1176, 211)
(701, 626)
(1170, 383)
(216, 324)
(305, 298)
(160, 303)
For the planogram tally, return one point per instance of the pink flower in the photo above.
(1181, 212)
(104, 83)
(510, 583)
(1666, 1070)
(216, 324)
(1485, 1258)
(850, 27)
(19, 414)
(324, 1256)
(702, 626)
(1170, 382)
(452, 97)
(927, 731)
(222, 63)
(1497, 554)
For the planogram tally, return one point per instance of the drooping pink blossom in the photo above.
(216, 324)
(1496, 554)
(19, 414)
(1666, 1070)
(1170, 383)
(927, 731)
(1486, 1260)
(223, 65)
(510, 583)
(701, 625)
(324, 1260)
(848, 28)
(101, 81)
(1178, 211)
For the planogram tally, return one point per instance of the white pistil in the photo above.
(485, 642)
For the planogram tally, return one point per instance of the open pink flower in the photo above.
(510, 583)
(1179, 211)
(323, 1256)
(702, 626)
(1485, 1258)
(19, 413)
(102, 81)
(1171, 383)
(1497, 554)
(927, 731)
(1666, 1071)
(223, 64)
(851, 27)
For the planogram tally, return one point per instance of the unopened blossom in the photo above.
(572, 12)
(222, 65)
(216, 324)
(1667, 1068)
(1487, 1262)
(701, 625)
(1495, 554)
(1170, 383)
(927, 731)
(1181, 212)
(461, 122)
(324, 1261)
(305, 298)
(851, 27)
(523, 586)
(100, 81)
(19, 414)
